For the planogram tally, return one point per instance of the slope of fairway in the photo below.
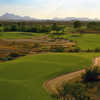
(22, 79)
(87, 41)
(84, 41)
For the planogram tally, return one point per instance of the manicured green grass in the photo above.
(18, 35)
(84, 41)
(22, 79)
(88, 41)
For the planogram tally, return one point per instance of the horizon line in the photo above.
(56, 17)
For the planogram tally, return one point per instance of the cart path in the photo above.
(51, 85)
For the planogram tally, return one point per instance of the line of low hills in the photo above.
(13, 17)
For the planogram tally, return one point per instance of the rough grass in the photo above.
(22, 79)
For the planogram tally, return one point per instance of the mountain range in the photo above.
(13, 17)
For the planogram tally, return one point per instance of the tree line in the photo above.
(24, 27)
(48, 27)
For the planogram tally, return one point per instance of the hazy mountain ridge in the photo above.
(74, 19)
(13, 17)
(9, 16)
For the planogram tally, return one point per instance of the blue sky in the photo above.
(52, 8)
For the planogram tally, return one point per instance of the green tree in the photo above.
(7, 28)
(94, 26)
(77, 24)
(14, 28)
(54, 26)
(1, 29)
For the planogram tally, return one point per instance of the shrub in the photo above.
(36, 45)
(57, 49)
(75, 36)
(11, 56)
(64, 92)
(77, 24)
(14, 55)
(74, 49)
(44, 49)
(89, 50)
(72, 91)
(93, 26)
(57, 33)
(71, 40)
(91, 74)
(4, 59)
(56, 27)
(79, 91)
(97, 50)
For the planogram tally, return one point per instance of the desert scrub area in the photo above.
(23, 78)
(44, 43)
(37, 44)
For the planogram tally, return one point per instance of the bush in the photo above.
(11, 56)
(72, 91)
(97, 50)
(74, 49)
(44, 49)
(57, 33)
(91, 74)
(57, 49)
(36, 45)
(77, 24)
(14, 55)
(89, 50)
(6, 58)
(79, 91)
(93, 26)
(56, 27)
